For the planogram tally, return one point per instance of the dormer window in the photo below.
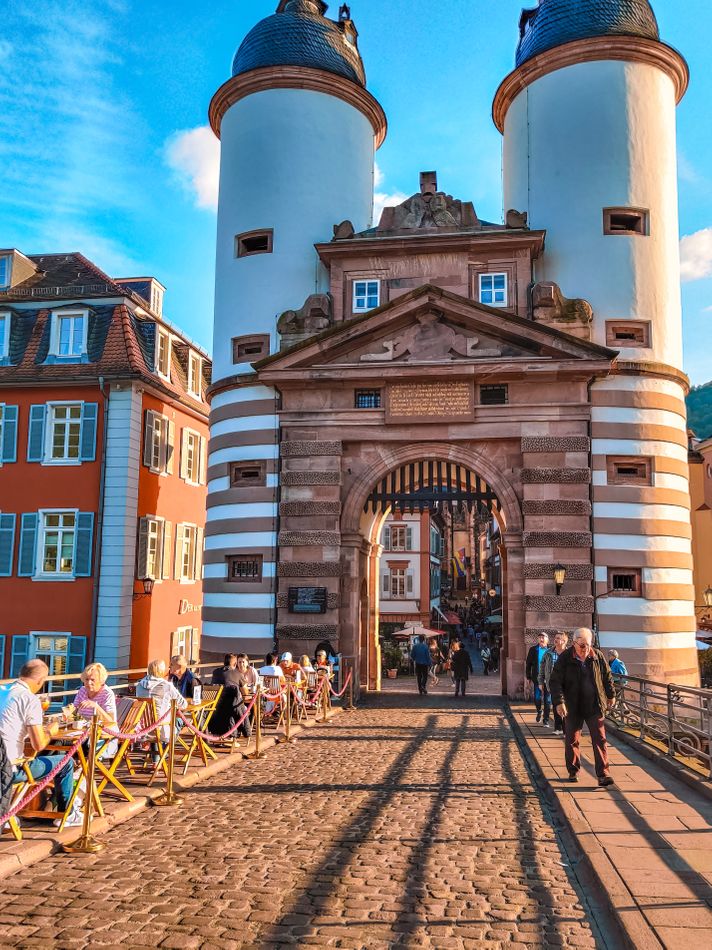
(156, 299)
(69, 334)
(5, 271)
(367, 295)
(195, 367)
(163, 354)
(4, 335)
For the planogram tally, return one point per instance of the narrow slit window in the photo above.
(624, 583)
(254, 242)
(627, 333)
(245, 569)
(247, 473)
(626, 221)
(248, 349)
(635, 470)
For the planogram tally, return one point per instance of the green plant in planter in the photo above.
(391, 656)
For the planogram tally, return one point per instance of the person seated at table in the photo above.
(155, 686)
(321, 662)
(94, 696)
(306, 664)
(221, 673)
(271, 668)
(291, 670)
(248, 679)
(239, 685)
(21, 719)
(182, 678)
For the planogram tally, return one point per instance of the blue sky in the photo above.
(103, 145)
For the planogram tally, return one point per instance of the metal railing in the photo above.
(678, 718)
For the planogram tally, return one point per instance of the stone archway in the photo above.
(364, 535)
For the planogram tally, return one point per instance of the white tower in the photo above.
(298, 135)
(588, 117)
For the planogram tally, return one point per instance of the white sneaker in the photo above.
(558, 732)
(74, 818)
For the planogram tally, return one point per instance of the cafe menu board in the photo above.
(307, 600)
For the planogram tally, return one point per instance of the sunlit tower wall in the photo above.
(298, 135)
(589, 125)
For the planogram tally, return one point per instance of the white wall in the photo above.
(299, 162)
(595, 135)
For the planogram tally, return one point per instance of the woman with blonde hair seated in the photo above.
(155, 686)
(94, 696)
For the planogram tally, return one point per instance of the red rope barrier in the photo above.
(208, 736)
(135, 736)
(333, 691)
(40, 786)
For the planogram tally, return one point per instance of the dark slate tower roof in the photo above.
(555, 22)
(299, 34)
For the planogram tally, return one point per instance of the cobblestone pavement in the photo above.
(409, 823)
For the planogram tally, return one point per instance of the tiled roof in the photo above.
(62, 275)
(300, 35)
(556, 22)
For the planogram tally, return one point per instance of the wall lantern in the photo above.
(559, 577)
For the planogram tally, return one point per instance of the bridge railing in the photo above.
(677, 720)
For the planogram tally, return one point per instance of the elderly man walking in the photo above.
(581, 690)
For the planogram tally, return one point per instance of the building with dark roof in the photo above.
(103, 436)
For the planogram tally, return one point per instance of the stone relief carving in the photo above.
(316, 315)
(430, 340)
(550, 307)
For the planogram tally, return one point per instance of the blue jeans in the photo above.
(42, 765)
(539, 695)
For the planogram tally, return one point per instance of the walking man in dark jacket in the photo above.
(534, 657)
(461, 667)
(581, 690)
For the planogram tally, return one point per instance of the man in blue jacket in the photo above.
(420, 655)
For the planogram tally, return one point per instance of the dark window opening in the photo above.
(494, 395)
(368, 399)
(248, 349)
(624, 583)
(254, 242)
(630, 471)
(244, 568)
(625, 221)
(247, 473)
(629, 333)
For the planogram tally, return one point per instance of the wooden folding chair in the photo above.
(200, 716)
(273, 685)
(298, 699)
(19, 790)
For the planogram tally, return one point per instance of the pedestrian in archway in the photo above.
(461, 668)
(561, 641)
(486, 657)
(534, 658)
(582, 689)
(420, 655)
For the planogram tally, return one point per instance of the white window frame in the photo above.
(194, 378)
(188, 553)
(40, 572)
(5, 341)
(57, 316)
(192, 478)
(396, 531)
(155, 570)
(491, 276)
(163, 335)
(49, 434)
(185, 641)
(395, 575)
(35, 652)
(358, 307)
(156, 299)
(6, 266)
(2, 423)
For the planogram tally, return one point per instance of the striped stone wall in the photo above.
(645, 526)
(244, 427)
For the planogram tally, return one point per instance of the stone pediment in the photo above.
(432, 326)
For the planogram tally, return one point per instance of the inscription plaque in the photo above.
(431, 401)
(307, 600)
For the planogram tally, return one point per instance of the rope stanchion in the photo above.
(346, 685)
(139, 734)
(349, 707)
(208, 736)
(287, 737)
(42, 785)
(258, 753)
(169, 797)
(85, 844)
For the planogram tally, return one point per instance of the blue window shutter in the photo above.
(7, 544)
(77, 654)
(2, 654)
(28, 545)
(88, 437)
(35, 439)
(8, 449)
(83, 544)
(20, 654)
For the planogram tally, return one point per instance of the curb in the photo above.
(600, 882)
(18, 855)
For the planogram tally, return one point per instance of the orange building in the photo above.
(103, 446)
(701, 500)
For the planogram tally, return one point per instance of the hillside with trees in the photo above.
(699, 410)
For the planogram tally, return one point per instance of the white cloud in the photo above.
(696, 255)
(383, 199)
(194, 155)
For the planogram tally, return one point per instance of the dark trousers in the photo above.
(421, 672)
(539, 695)
(460, 685)
(558, 722)
(573, 724)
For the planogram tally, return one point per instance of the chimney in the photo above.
(428, 183)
